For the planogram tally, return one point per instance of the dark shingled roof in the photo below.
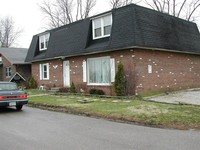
(133, 26)
(15, 55)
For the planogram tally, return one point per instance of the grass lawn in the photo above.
(128, 110)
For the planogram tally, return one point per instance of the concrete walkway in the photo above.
(191, 96)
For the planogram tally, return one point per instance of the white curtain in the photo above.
(99, 70)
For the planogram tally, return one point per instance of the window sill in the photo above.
(44, 79)
(100, 37)
(99, 84)
(43, 49)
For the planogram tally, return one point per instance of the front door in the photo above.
(66, 73)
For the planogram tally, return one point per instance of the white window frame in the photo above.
(43, 38)
(102, 26)
(8, 72)
(111, 71)
(42, 77)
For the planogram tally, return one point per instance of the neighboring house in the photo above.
(13, 66)
(159, 52)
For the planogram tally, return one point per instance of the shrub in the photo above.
(120, 81)
(64, 90)
(96, 92)
(93, 91)
(32, 83)
(100, 92)
(72, 88)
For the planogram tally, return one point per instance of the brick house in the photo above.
(159, 52)
(13, 67)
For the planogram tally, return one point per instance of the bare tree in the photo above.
(61, 12)
(8, 32)
(183, 9)
(120, 3)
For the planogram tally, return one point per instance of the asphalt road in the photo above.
(35, 129)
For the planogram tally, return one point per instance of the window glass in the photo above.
(8, 72)
(44, 71)
(107, 30)
(97, 23)
(97, 32)
(44, 40)
(41, 42)
(102, 26)
(42, 45)
(99, 70)
(107, 20)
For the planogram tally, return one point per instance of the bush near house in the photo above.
(120, 81)
(72, 88)
(63, 90)
(32, 83)
(96, 92)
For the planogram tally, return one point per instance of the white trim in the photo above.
(102, 26)
(99, 84)
(112, 70)
(47, 71)
(8, 72)
(66, 73)
(100, 16)
(16, 73)
(43, 37)
(88, 80)
(84, 71)
(42, 71)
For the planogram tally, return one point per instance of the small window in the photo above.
(8, 72)
(44, 40)
(44, 71)
(102, 26)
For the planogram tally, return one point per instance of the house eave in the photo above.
(112, 50)
(26, 63)
(16, 73)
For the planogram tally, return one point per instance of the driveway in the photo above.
(36, 129)
(191, 96)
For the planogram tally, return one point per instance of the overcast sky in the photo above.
(27, 16)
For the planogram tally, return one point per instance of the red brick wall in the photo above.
(76, 71)
(55, 73)
(6, 64)
(170, 71)
(24, 70)
(126, 57)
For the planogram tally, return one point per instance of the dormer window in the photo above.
(44, 39)
(101, 26)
